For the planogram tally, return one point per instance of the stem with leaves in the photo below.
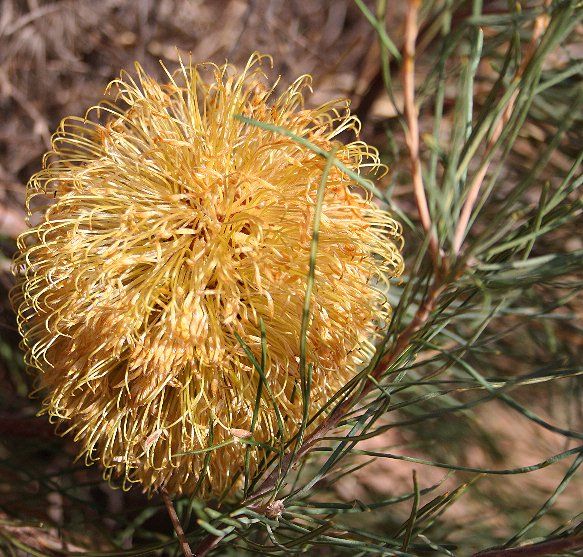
(412, 132)
(540, 24)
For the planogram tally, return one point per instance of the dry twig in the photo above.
(186, 551)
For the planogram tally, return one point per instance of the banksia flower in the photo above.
(168, 232)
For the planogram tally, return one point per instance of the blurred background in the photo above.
(56, 58)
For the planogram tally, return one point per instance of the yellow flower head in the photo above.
(167, 230)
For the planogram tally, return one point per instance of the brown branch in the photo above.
(186, 551)
(412, 118)
(551, 547)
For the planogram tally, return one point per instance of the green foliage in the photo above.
(481, 326)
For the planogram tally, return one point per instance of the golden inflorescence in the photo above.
(166, 231)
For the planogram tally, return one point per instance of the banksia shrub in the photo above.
(166, 234)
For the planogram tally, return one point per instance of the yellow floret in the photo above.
(166, 228)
